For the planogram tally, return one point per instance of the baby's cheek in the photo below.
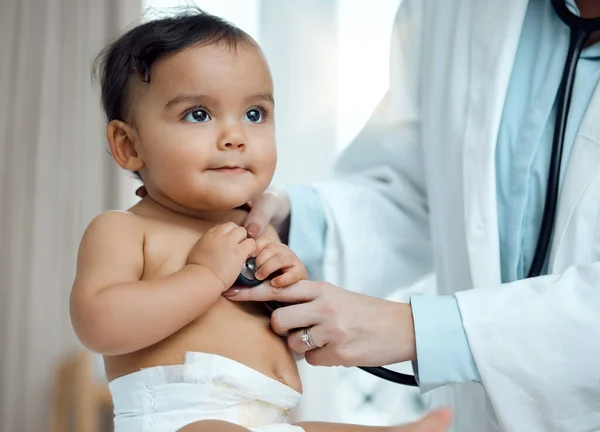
(267, 164)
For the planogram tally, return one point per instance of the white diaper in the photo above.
(206, 386)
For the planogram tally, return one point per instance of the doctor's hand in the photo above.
(270, 208)
(345, 328)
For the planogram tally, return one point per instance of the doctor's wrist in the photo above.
(402, 333)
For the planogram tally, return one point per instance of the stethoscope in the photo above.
(581, 30)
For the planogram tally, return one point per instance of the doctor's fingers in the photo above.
(328, 355)
(272, 207)
(308, 339)
(299, 292)
(297, 316)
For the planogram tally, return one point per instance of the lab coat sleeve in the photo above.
(376, 211)
(443, 353)
(307, 225)
(536, 343)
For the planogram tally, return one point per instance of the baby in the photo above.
(189, 104)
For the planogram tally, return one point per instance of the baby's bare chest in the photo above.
(166, 249)
(169, 240)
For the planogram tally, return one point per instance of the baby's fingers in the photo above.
(263, 242)
(276, 262)
(266, 250)
(248, 248)
(291, 275)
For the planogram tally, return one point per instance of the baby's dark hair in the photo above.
(133, 54)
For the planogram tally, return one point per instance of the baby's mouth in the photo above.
(230, 169)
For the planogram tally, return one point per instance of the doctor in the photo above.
(449, 178)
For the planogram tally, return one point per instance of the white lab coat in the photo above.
(416, 194)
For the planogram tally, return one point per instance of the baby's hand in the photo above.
(272, 257)
(223, 249)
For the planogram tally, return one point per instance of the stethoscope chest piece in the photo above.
(247, 278)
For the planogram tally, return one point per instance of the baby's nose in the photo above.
(235, 146)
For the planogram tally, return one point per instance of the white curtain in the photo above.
(55, 176)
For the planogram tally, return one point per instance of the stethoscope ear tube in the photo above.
(581, 29)
(390, 375)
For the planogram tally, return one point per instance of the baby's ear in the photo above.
(121, 140)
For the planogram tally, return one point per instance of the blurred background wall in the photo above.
(330, 65)
(55, 176)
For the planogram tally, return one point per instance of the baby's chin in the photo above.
(220, 205)
(234, 200)
(217, 199)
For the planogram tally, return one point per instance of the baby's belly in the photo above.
(240, 332)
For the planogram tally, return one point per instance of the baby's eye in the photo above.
(254, 116)
(197, 115)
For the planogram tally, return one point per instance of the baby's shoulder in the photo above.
(117, 218)
(116, 223)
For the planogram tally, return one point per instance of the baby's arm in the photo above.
(112, 310)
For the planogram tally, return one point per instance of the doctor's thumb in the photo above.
(271, 208)
(436, 421)
(257, 222)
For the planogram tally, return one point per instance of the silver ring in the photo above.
(307, 339)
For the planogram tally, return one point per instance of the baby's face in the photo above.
(205, 127)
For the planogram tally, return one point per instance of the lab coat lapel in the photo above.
(495, 36)
(583, 163)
